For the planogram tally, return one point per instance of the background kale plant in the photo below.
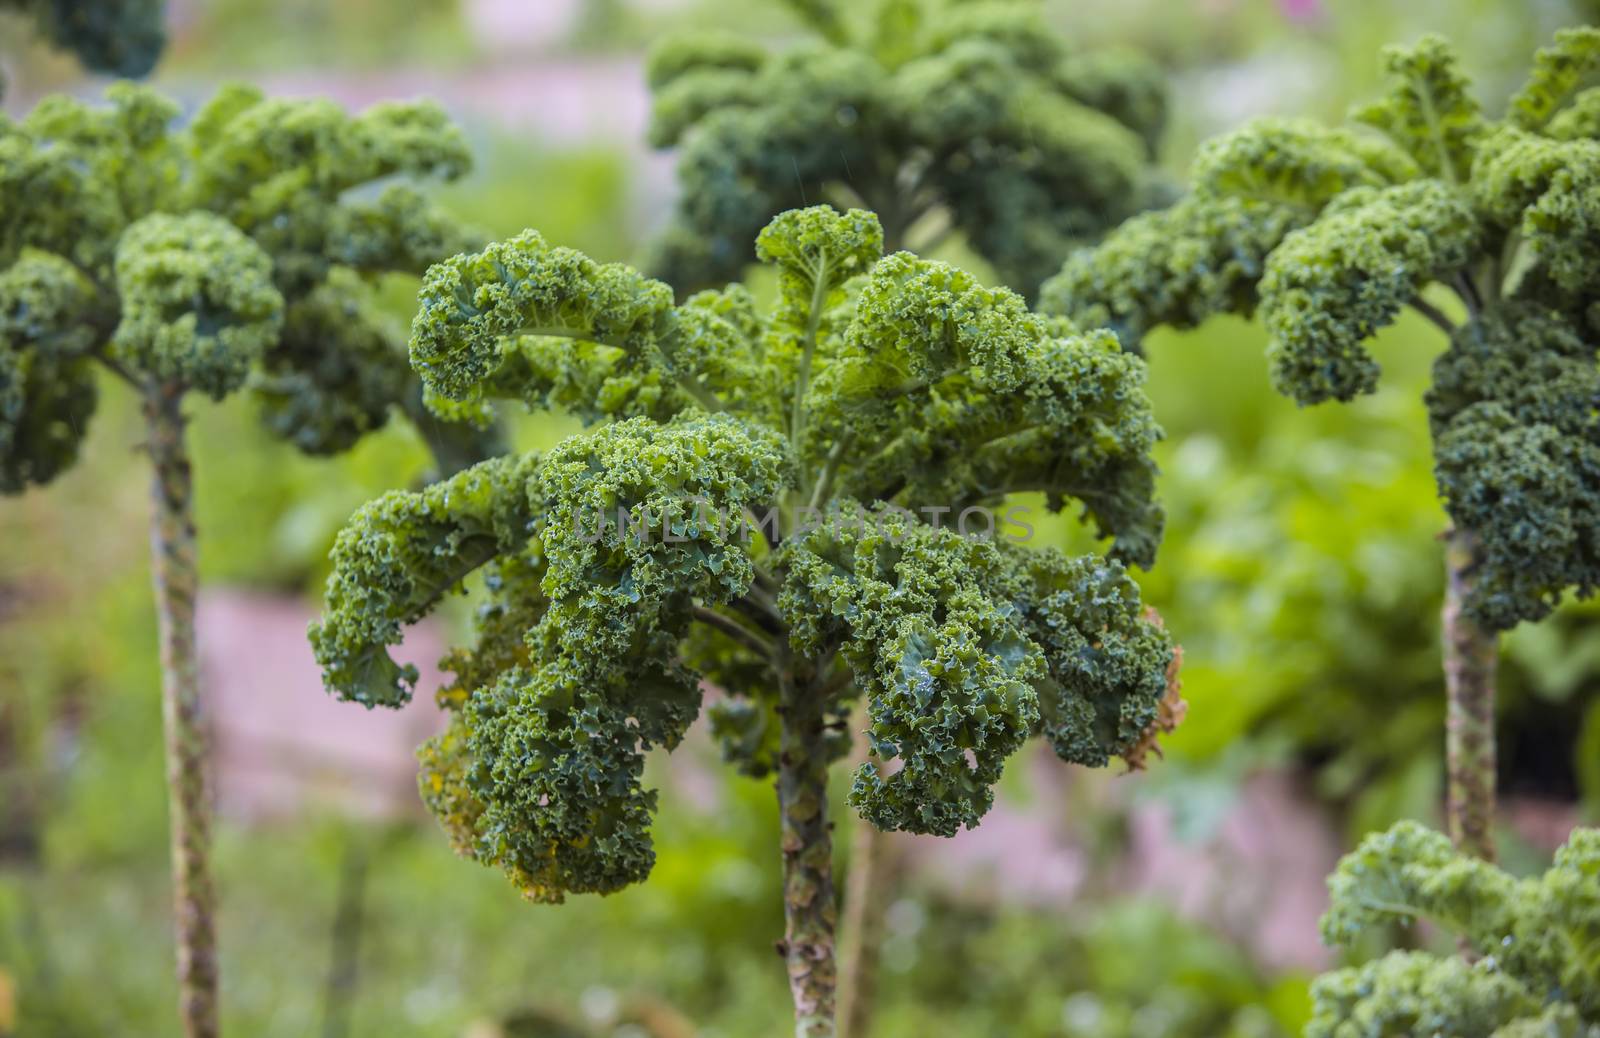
(121, 37)
(939, 115)
(1329, 233)
(1534, 943)
(225, 254)
(874, 387)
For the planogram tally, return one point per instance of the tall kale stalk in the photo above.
(1330, 233)
(743, 512)
(201, 261)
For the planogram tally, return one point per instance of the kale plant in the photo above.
(1535, 942)
(121, 37)
(226, 254)
(756, 506)
(939, 115)
(1328, 233)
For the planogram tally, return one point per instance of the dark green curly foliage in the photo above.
(47, 388)
(1329, 286)
(1206, 253)
(286, 173)
(118, 37)
(971, 397)
(1175, 266)
(1517, 454)
(334, 371)
(976, 110)
(657, 558)
(1535, 938)
(242, 242)
(547, 325)
(1330, 235)
(964, 647)
(398, 556)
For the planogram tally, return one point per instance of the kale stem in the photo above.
(735, 630)
(176, 577)
(809, 909)
(1434, 314)
(830, 469)
(1471, 653)
(819, 294)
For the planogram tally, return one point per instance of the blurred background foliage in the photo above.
(1301, 571)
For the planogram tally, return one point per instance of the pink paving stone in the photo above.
(283, 744)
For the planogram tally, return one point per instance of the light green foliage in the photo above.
(198, 306)
(1562, 75)
(1535, 939)
(975, 111)
(1328, 285)
(120, 37)
(1413, 993)
(1429, 112)
(1331, 234)
(242, 243)
(707, 422)
(1206, 254)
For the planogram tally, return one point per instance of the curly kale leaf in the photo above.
(1517, 457)
(1108, 661)
(1295, 163)
(1331, 285)
(1536, 936)
(557, 762)
(198, 303)
(1409, 873)
(398, 556)
(45, 407)
(964, 648)
(1545, 191)
(285, 172)
(957, 394)
(1560, 72)
(85, 173)
(545, 324)
(638, 516)
(1411, 993)
(576, 672)
(1175, 266)
(1430, 111)
(48, 323)
(928, 627)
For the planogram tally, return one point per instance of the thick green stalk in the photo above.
(172, 543)
(1470, 656)
(809, 908)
